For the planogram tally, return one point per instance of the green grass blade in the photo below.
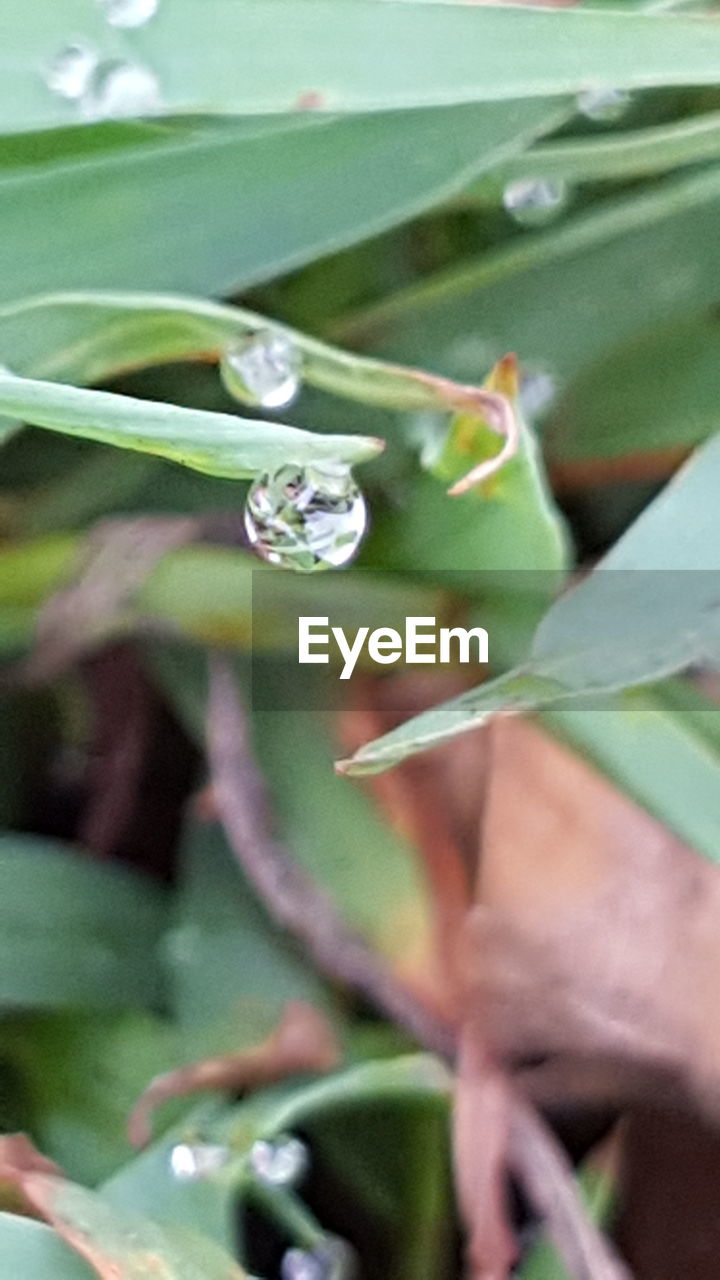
(215, 443)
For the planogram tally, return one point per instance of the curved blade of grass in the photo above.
(624, 625)
(91, 337)
(245, 56)
(215, 443)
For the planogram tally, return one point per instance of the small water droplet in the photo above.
(280, 1162)
(71, 70)
(538, 389)
(306, 518)
(129, 13)
(331, 1260)
(603, 106)
(532, 202)
(121, 89)
(192, 1161)
(262, 369)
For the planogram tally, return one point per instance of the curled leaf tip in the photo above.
(504, 378)
(490, 466)
(303, 1041)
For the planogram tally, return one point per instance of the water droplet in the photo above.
(280, 1162)
(331, 1260)
(129, 13)
(538, 389)
(603, 106)
(534, 201)
(306, 518)
(191, 1161)
(121, 89)
(262, 369)
(71, 70)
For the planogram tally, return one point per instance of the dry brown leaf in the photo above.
(302, 1041)
(597, 933)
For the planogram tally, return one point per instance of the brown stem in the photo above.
(302, 907)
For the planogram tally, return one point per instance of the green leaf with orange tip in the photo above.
(119, 1244)
(122, 1245)
(477, 541)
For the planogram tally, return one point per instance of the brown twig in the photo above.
(298, 904)
(292, 897)
(541, 1166)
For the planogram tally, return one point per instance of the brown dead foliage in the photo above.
(595, 933)
(302, 1041)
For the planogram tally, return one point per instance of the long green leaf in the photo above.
(33, 1251)
(212, 210)
(217, 444)
(247, 56)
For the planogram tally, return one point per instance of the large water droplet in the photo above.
(121, 89)
(331, 1260)
(603, 106)
(262, 369)
(71, 71)
(534, 201)
(280, 1162)
(190, 1162)
(306, 518)
(129, 13)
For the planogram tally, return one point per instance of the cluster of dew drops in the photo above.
(280, 1163)
(311, 516)
(107, 88)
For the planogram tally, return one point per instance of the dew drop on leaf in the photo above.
(280, 1162)
(71, 70)
(129, 13)
(306, 518)
(262, 369)
(532, 202)
(121, 89)
(331, 1260)
(603, 106)
(189, 1162)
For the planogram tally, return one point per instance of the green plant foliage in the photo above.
(341, 172)
(75, 934)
